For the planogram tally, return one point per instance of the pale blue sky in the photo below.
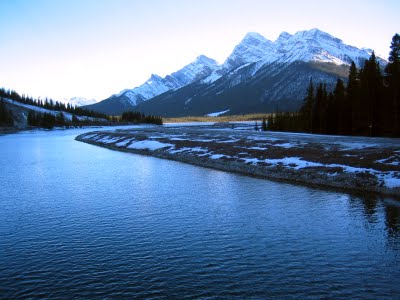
(95, 48)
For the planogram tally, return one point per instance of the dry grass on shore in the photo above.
(233, 118)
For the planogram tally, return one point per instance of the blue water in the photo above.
(80, 221)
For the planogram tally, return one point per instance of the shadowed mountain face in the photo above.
(273, 87)
(258, 76)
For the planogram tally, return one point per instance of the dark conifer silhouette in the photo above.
(5, 115)
(392, 71)
(264, 124)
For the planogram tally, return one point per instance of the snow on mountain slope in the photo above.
(252, 48)
(308, 45)
(156, 85)
(77, 101)
(316, 45)
(202, 67)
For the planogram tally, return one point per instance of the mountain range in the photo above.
(258, 76)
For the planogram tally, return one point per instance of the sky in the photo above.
(96, 48)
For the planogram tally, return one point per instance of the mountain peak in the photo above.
(153, 77)
(204, 60)
(254, 39)
(254, 36)
(284, 36)
(253, 47)
(316, 33)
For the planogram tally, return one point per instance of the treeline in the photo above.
(49, 120)
(137, 117)
(76, 116)
(50, 104)
(368, 105)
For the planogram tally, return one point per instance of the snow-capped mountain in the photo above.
(311, 45)
(252, 48)
(156, 85)
(245, 64)
(78, 101)
(316, 45)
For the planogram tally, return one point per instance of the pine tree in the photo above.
(392, 71)
(264, 124)
(339, 94)
(318, 110)
(47, 121)
(307, 108)
(5, 114)
(353, 98)
(60, 120)
(331, 115)
(270, 124)
(371, 94)
(31, 118)
(75, 120)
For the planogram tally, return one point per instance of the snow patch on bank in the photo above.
(390, 180)
(123, 143)
(285, 145)
(210, 146)
(217, 156)
(108, 140)
(149, 145)
(293, 162)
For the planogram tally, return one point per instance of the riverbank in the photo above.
(350, 163)
(8, 130)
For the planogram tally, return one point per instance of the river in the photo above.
(80, 221)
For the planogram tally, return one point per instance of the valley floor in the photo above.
(352, 163)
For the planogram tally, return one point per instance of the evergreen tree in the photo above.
(307, 108)
(5, 115)
(270, 124)
(264, 124)
(331, 115)
(392, 71)
(371, 93)
(317, 110)
(60, 120)
(32, 118)
(75, 120)
(339, 98)
(47, 121)
(353, 98)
